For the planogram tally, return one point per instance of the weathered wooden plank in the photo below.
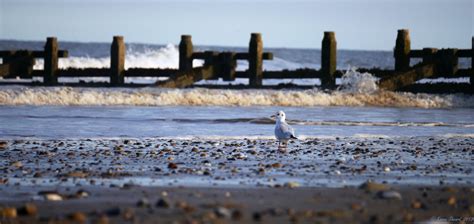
(150, 72)
(4, 70)
(401, 79)
(245, 56)
(36, 54)
(464, 53)
(187, 78)
(238, 56)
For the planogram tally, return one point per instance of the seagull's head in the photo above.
(280, 115)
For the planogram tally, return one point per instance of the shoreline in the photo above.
(86, 180)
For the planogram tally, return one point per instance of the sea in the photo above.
(357, 109)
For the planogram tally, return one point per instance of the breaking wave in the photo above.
(20, 95)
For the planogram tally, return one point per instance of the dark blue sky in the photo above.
(361, 24)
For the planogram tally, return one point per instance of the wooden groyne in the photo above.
(434, 63)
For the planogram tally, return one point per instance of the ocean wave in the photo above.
(20, 95)
(164, 57)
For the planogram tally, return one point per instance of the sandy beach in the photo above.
(143, 180)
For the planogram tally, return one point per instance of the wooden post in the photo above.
(212, 59)
(185, 53)
(402, 51)
(429, 55)
(255, 60)
(447, 63)
(328, 60)
(117, 61)
(50, 61)
(472, 64)
(227, 66)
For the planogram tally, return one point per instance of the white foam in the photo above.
(18, 95)
(165, 57)
(355, 82)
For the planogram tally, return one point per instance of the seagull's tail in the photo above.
(293, 137)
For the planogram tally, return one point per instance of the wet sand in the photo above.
(233, 180)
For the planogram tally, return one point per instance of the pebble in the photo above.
(17, 164)
(78, 217)
(416, 204)
(51, 196)
(162, 203)
(292, 184)
(370, 186)
(113, 211)
(77, 174)
(8, 212)
(452, 201)
(389, 195)
(29, 209)
(172, 166)
(3, 145)
(222, 212)
(143, 203)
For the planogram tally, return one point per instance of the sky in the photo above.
(359, 24)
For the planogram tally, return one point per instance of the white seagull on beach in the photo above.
(283, 131)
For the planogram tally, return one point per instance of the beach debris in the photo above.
(222, 212)
(8, 212)
(386, 169)
(51, 195)
(370, 186)
(162, 203)
(29, 209)
(389, 195)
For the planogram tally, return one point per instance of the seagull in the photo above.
(283, 131)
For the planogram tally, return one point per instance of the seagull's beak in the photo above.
(273, 116)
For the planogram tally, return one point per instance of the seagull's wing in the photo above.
(285, 131)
